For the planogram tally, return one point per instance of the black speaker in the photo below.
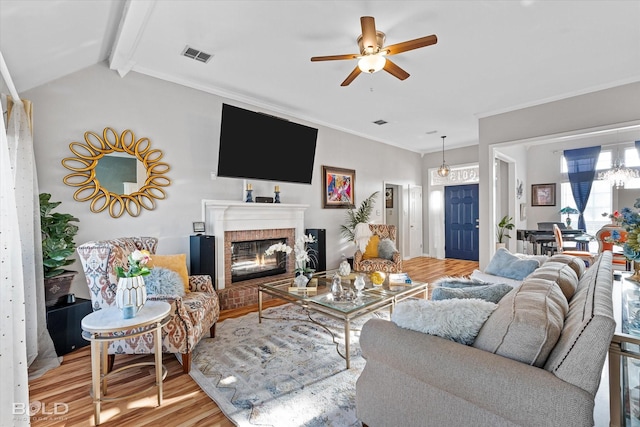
(318, 249)
(203, 255)
(64, 325)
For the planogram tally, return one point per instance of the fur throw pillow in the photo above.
(162, 281)
(386, 249)
(457, 320)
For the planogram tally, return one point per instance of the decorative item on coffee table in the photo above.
(131, 293)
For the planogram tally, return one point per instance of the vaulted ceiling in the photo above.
(491, 56)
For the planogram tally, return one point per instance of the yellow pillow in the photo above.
(177, 263)
(371, 251)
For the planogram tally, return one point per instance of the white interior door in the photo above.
(415, 221)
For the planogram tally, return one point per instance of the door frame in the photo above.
(513, 205)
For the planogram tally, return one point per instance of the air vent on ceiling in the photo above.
(196, 54)
(380, 122)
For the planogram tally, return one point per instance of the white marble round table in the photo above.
(106, 325)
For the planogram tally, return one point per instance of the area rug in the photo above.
(284, 372)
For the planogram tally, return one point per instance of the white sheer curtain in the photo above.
(27, 348)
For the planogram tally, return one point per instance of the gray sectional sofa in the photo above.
(537, 360)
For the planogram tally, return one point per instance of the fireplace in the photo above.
(248, 260)
(232, 222)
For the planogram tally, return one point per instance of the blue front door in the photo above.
(461, 222)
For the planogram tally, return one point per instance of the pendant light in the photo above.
(444, 169)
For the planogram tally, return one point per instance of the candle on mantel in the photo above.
(249, 187)
(277, 189)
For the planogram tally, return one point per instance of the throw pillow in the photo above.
(371, 250)
(177, 263)
(386, 249)
(459, 282)
(505, 264)
(162, 281)
(490, 278)
(457, 320)
(527, 324)
(492, 293)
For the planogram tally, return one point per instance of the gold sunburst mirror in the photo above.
(116, 172)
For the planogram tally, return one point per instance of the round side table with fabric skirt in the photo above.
(103, 326)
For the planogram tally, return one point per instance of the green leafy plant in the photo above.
(356, 216)
(503, 227)
(58, 233)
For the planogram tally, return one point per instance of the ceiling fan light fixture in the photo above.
(444, 169)
(372, 63)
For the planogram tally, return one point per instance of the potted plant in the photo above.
(58, 245)
(502, 230)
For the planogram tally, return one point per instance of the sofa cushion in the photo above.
(386, 249)
(562, 274)
(490, 292)
(177, 263)
(371, 251)
(454, 319)
(576, 263)
(527, 323)
(162, 281)
(505, 264)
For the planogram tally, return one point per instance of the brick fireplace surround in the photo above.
(231, 221)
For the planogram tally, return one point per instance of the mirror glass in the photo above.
(118, 173)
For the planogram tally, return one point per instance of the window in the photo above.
(599, 202)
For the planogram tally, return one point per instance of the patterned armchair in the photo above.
(383, 231)
(194, 315)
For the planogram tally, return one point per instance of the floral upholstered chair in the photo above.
(194, 314)
(381, 253)
(604, 237)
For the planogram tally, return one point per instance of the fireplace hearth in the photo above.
(248, 260)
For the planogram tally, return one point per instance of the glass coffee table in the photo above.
(319, 298)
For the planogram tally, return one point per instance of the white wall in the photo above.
(601, 109)
(184, 124)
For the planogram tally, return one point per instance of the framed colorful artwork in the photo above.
(543, 195)
(338, 188)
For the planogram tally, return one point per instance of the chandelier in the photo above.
(619, 174)
(444, 169)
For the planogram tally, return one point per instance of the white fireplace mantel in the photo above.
(225, 215)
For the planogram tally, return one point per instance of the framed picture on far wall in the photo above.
(543, 195)
(388, 197)
(338, 187)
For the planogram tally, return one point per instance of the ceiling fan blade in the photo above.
(394, 70)
(334, 57)
(369, 38)
(411, 44)
(356, 71)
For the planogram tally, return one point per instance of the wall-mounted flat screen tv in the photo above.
(259, 146)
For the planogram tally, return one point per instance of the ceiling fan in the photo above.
(373, 54)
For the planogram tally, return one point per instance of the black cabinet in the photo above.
(64, 325)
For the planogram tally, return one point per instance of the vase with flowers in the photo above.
(629, 219)
(131, 293)
(303, 255)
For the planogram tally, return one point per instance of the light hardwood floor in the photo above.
(184, 404)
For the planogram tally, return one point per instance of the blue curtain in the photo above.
(581, 165)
